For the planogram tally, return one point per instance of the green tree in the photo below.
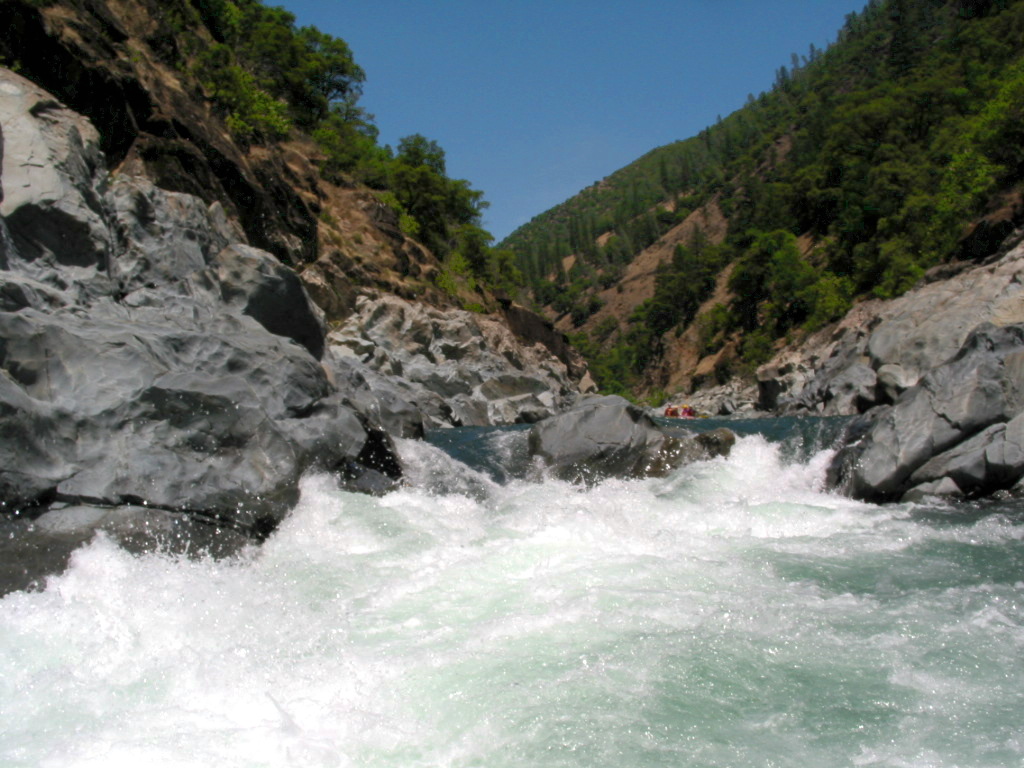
(772, 283)
(251, 113)
(331, 72)
(349, 146)
(417, 150)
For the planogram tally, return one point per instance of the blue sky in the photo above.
(534, 100)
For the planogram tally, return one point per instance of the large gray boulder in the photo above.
(606, 437)
(147, 357)
(991, 460)
(958, 432)
(122, 405)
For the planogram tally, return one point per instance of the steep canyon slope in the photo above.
(889, 158)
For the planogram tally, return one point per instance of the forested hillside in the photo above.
(897, 148)
(269, 77)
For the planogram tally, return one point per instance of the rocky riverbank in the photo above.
(150, 356)
(958, 433)
(935, 374)
(882, 348)
(153, 362)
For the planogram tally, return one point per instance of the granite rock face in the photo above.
(881, 349)
(421, 367)
(956, 433)
(609, 437)
(147, 357)
(151, 358)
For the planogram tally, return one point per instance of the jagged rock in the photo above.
(270, 293)
(457, 368)
(532, 328)
(609, 437)
(951, 425)
(894, 380)
(388, 401)
(144, 358)
(677, 451)
(163, 237)
(851, 390)
(900, 340)
(835, 381)
(992, 459)
(120, 405)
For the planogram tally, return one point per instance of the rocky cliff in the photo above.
(127, 67)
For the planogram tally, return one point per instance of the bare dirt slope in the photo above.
(637, 283)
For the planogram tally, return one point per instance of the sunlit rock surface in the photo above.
(957, 433)
(147, 356)
(423, 367)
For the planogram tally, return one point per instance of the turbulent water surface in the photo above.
(732, 614)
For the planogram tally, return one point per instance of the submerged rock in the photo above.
(609, 437)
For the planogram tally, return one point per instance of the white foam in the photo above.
(535, 623)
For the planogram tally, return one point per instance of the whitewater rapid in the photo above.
(732, 614)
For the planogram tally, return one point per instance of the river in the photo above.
(732, 614)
